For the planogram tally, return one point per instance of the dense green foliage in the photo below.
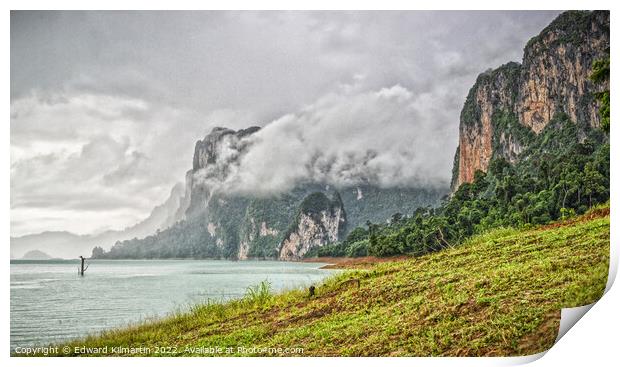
(571, 26)
(499, 293)
(318, 202)
(276, 213)
(506, 126)
(371, 203)
(455, 167)
(187, 239)
(191, 238)
(600, 75)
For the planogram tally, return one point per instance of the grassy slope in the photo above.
(498, 294)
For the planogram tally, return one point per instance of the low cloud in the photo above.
(387, 137)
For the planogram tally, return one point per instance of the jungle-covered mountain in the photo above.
(219, 223)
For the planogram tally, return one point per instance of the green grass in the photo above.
(497, 294)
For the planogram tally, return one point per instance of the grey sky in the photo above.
(106, 106)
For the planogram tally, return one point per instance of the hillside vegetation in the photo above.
(533, 172)
(558, 176)
(498, 293)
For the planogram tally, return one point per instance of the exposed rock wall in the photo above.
(320, 221)
(211, 162)
(494, 90)
(244, 249)
(253, 233)
(556, 68)
(553, 77)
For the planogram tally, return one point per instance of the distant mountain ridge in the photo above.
(36, 255)
(68, 245)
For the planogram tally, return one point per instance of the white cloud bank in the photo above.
(386, 137)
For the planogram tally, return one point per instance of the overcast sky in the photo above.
(106, 106)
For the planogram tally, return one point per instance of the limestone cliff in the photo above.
(506, 105)
(211, 163)
(320, 221)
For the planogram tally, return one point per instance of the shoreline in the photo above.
(353, 262)
(331, 262)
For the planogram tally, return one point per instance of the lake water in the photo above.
(51, 303)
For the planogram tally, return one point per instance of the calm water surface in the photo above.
(51, 303)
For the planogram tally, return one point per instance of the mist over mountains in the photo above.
(231, 214)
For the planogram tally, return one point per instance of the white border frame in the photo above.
(592, 340)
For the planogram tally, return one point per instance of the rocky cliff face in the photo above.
(508, 104)
(258, 232)
(211, 163)
(494, 91)
(208, 151)
(320, 221)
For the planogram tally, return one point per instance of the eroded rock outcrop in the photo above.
(320, 221)
(253, 235)
(507, 104)
(213, 158)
